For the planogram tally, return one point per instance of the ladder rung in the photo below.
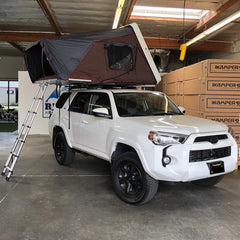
(32, 112)
(9, 169)
(20, 140)
(13, 157)
(14, 154)
(27, 126)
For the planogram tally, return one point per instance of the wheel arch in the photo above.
(120, 149)
(56, 130)
(128, 146)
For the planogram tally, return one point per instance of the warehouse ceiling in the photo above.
(25, 21)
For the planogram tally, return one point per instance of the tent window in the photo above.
(119, 56)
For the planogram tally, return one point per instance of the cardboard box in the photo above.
(193, 103)
(195, 71)
(208, 77)
(212, 86)
(194, 113)
(175, 99)
(230, 119)
(222, 68)
(172, 88)
(174, 76)
(212, 103)
(222, 103)
(236, 132)
(161, 86)
(221, 86)
(192, 87)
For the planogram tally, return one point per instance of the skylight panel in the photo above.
(163, 12)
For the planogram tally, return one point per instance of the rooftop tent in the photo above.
(114, 56)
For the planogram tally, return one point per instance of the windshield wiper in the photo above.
(138, 114)
(165, 113)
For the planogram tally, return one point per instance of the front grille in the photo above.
(209, 154)
(212, 139)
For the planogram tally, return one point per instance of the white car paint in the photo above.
(99, 136)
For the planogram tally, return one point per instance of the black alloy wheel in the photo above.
(131, 183)
(59, 150)
(130, 179)
(63, 153)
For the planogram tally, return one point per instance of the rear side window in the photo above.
(80, 102)
(62, 99)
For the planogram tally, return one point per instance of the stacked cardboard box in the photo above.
(209, 89)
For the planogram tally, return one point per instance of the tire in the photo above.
(63, 153)
(131, 183)
(208, 182)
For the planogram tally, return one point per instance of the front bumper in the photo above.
(181, 169)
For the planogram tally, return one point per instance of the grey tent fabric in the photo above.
(87, 56)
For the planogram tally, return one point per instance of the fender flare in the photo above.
(64, 131)
(133, 145)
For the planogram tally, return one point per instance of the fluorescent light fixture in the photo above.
(118, 13)
(214, 28)
(163, 12)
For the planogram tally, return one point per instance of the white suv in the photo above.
(146, 138)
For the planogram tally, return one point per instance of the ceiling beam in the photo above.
(151, 42)
(130, 11)
(126, 12)
(162, 43)
(18, 47)
(48, 13)
(214, 46)
(210, 17)
(24, 36)
(174, 44)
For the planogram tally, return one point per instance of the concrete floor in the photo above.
(44, 200)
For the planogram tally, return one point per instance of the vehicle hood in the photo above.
(182, 124)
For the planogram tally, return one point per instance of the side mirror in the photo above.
(182, 109)
(101, 112)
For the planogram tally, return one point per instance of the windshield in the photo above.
(144, 104)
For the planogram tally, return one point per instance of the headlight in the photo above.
(163, 139)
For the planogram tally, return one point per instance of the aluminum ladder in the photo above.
(23, 133)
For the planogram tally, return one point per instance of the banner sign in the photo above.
(49, 100)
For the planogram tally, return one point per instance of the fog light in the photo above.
(166, 160)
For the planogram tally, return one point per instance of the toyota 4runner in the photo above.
(144, 136)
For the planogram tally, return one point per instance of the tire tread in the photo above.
(151, 184)
(70, 153)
